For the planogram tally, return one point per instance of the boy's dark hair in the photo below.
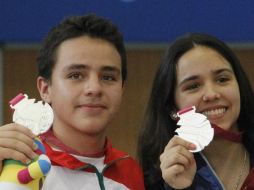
(76, 26)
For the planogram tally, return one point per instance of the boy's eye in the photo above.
(108, 78)
(75, 76)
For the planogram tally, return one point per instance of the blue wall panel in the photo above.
(145, 21)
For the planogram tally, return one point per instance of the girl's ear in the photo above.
(173, 114)
(43, 86)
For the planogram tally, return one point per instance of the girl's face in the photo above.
(205, 79)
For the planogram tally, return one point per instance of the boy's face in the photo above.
(86, 89)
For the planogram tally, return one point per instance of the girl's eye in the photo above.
(223, 80)
(192, 87)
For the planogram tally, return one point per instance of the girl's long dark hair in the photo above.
(158, 128)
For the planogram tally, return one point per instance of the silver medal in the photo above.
(37, 116)
(195, 128)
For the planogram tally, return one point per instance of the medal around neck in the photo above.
(37, 116)
(195, 128)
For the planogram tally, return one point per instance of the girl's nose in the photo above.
(210, 94)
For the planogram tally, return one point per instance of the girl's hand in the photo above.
(178, 165)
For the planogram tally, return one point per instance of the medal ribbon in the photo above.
(228, 135)
(66, 160)
(64, 157)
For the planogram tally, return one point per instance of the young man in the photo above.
(82, 72)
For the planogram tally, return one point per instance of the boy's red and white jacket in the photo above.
(114, 170)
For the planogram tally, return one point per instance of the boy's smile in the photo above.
(92, 108)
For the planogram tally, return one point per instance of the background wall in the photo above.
(1, 85)
(20, 76)
(148, 27)
(142, 21)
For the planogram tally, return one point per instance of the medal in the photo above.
(195, 128)
(36, 116)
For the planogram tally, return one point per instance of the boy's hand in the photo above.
(16, 142)
(178, 165)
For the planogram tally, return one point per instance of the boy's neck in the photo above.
(78, 141)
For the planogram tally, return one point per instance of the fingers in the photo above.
(16, 143)
(13, 148)
(178, 165)
(17, 155)
(173, 171)
(177, 155)
(177, 141)
(17, 128)
(16, 137)
(177, 176)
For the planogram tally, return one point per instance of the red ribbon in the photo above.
(63, 159)
(228, 135)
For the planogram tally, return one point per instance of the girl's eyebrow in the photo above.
(190, 78)
(223, 70)
(216, 72)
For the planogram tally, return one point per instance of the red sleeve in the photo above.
(127, 172)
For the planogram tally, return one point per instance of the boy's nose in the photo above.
(93, 87)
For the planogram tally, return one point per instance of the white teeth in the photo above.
(214, 112)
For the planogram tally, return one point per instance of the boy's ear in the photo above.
(43, 86)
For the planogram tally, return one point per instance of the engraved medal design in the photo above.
(37, 116)
(195, 128)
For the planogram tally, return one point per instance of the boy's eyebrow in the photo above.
(111, 69)
(82, 66)
(75, 67)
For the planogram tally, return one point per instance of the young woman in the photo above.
(199, 70)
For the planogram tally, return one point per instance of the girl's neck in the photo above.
(219, 148)
(230, 161)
